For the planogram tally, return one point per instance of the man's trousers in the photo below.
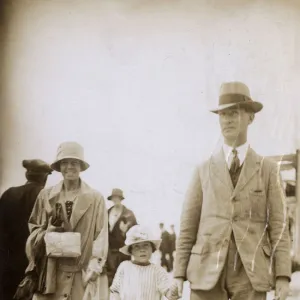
(233, 283)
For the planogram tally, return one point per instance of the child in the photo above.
(139, 279)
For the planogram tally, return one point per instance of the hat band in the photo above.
(233, 98)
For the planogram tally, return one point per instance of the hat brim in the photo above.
(125, 249)
(56, 165)
(253, 105)
(110, 197)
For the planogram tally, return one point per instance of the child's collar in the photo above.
(140, 263)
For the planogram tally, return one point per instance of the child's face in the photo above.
(142, 252)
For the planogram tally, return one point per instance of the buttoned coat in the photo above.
(255, 211)
(89, 217)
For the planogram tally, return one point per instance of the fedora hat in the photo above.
(139, 234)
(236, 94)
(116, 193)
(69, 150)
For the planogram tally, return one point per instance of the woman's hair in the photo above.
(152, 245)
(36, 177)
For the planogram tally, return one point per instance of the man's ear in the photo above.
(251, 117)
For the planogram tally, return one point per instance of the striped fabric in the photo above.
(135, 282)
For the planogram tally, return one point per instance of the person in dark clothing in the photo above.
(16, 205)
(164, 247)
(121, 219)
(172, 246)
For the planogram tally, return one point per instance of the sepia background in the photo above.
(133, 82)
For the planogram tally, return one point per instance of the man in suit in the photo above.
(16, 205)
(164, 247)
(234, 239)
(172, 245)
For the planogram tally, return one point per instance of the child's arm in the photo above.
(172, 293)
(167, 290)
(117, 283)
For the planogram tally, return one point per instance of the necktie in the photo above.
(69, 207)
(234, 170)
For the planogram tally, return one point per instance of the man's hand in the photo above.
(179, 283)
(282, 288)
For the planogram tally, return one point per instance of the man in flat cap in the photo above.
(234, 236)
(16, 205)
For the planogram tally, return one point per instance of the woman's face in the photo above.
(70, 169)
(141, 252)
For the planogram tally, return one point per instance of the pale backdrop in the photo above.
(132, 81)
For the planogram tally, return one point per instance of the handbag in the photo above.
(63, 244)
(27, 287)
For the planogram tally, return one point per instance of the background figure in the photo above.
(121, 219)
(15, 208)
(172, 246)
(164, 246)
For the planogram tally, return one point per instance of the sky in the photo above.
(133, 82)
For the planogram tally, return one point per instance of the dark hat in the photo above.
(36, 166)
(236, 94)
(116, 193)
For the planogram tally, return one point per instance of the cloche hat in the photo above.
(69, 150)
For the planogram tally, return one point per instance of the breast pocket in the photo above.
(258, 204)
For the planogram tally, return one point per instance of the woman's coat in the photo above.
(89, 217)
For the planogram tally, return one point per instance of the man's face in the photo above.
(234, 122)
(70, 169)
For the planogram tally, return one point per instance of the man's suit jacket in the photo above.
(255, 211)
(165, 242)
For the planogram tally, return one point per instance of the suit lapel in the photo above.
(220, 170)
(250, 167)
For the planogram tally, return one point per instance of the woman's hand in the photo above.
(53, 228)
(124, 227)
(94, 270)
(114, 296)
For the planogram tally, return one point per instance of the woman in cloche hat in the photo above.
(121, 219)
(70, 206)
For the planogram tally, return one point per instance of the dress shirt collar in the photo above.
(241, 152)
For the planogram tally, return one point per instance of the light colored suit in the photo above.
(255, 211)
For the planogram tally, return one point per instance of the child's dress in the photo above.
(136, 282)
